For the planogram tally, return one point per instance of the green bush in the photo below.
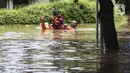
(84, 12)
(32, 13)
(119, 17)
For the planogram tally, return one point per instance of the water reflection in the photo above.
(110, 62)
(26, 56)
(58, 34)
(58, 52)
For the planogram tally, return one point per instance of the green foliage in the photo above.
(119, 17)
(127, 5)
(83, 12)
(32, 13)
(121, 1)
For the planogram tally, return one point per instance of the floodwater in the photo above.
(29, 49)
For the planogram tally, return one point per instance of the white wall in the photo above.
(10, 4)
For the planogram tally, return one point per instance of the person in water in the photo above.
(57, 20)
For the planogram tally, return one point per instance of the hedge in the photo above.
(84, 12)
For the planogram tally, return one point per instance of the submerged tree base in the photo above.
(108, 26)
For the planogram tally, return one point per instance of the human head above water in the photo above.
(56, 11)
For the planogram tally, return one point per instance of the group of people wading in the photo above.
(58, 22)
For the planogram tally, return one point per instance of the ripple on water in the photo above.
(12, 35)
(46, 64)
(73, 59)
(77, 68)
(69, 50)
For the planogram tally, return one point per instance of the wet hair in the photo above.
(55, 12)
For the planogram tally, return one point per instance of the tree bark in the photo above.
(108, 26)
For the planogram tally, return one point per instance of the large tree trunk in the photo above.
(108, 26)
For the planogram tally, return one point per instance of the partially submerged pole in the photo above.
(101, 36)
(97, 30)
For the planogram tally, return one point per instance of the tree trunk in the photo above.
(108, 26)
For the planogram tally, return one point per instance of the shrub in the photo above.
(84, 12)
(32, 13)
(119, 17)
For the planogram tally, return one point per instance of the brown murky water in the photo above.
(28, 49)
